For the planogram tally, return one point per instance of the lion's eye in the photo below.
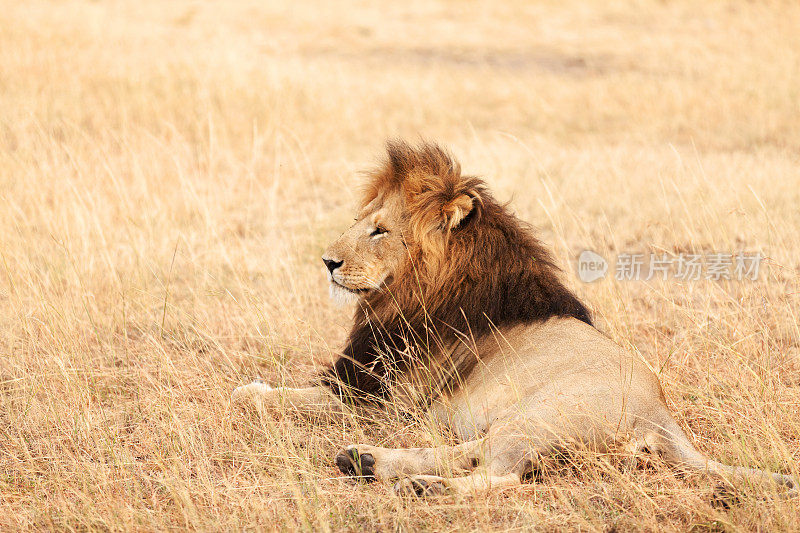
(379, 230)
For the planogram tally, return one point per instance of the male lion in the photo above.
(460, 308)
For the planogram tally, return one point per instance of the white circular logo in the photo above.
(591, 266)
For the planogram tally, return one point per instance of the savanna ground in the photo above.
(171, 172)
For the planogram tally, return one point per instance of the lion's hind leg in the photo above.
(385, 464)
(478, 481)
(509, 453)
(500, 471)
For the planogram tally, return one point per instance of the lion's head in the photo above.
(409, 210)
(431, 258)
(370, 252)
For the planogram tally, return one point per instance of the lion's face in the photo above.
(369, 253)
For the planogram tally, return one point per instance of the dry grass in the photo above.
(170, 173)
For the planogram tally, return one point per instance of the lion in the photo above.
(460, 310)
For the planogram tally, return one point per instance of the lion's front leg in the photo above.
(313, 401)
(374, 462)
(257, 389)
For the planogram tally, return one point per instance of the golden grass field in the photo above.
(170, 174)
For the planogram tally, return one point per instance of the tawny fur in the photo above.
(460, 310)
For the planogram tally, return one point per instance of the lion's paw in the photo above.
(256, 389)
(355, 463)
(422, 486)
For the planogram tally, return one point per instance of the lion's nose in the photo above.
(331, 264)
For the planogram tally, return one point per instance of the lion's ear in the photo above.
(456, 210)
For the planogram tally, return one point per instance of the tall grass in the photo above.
(171, 172)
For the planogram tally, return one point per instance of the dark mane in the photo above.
(487, 272)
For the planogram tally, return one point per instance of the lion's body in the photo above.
(562, 373)
(460, 309)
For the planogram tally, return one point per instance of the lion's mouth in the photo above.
(348, 289)
(345, 295)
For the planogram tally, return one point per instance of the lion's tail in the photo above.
(676, 448)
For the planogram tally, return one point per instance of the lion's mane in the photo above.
(486, 272)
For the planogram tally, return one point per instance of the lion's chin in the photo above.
(343, 296)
